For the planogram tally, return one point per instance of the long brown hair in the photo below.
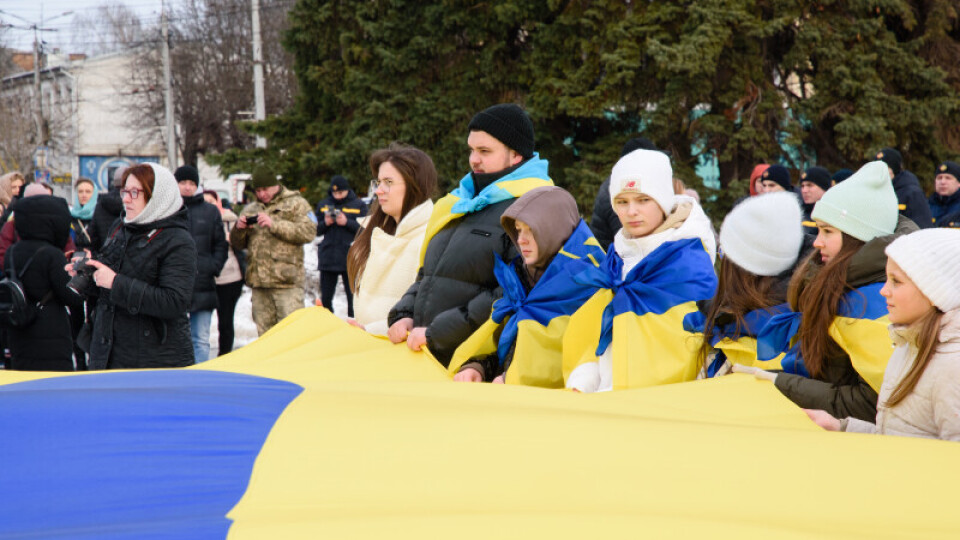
(815, 290)
(928, 328)
(420, 179)
(738, 292)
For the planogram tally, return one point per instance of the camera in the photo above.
(250, 221)
(84, 275)
(332, 213)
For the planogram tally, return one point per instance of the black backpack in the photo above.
(15, 310)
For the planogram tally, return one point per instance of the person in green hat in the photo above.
(273, 230)
(835, 339)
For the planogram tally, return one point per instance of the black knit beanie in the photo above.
(509, 124)
(892, 158)
(950, 167)
(841, 175)
(339, 183)
(819, 176)
(778, 174)
(187, 172)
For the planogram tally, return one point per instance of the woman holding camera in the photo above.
(144, 277)
(337, 224)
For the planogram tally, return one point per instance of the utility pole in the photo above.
(260, 108)
(167, 90)
(38, 97)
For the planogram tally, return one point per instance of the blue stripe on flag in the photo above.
(147, 454)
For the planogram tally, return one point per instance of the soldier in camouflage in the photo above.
(273, 230)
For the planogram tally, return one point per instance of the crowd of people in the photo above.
(830, 288)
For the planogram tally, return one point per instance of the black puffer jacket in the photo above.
(332, 250)
(43, 224)
(141, 322)
(604, 223)
(108, 209)
(455, 288)
(913, 203)
(206, 227)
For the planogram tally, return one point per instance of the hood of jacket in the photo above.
(905, 179)
(194, 200)
(869, 264)
(43, 217)
(948, 338)
(111, 202)
(552, 215)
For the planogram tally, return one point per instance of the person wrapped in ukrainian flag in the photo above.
(761, 241)
(630, 333)
(836, 337)
(521, 342)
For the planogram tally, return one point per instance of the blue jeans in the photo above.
(200, 333)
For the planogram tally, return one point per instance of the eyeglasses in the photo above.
(383, 185)
(133, 193)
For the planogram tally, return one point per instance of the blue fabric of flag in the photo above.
(675, 273)
(554, 295)
(154, 454)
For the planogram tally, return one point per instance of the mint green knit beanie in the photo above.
(863, 206)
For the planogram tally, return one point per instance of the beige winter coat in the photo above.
(932, 410)
(391, 268)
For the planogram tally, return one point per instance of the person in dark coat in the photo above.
(604, 223)
(945, 200)
(337, 223)
(85, 197)
(144, 278)
(43, 224)
(206, 227)
(814, 182)
(456, 286)
(109, 208)
(913, 203)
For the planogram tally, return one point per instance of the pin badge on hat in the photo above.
(943, 167)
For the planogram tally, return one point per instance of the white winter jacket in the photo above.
(391, 268)
(932, 410)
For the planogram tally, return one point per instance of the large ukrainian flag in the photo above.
(318, 430)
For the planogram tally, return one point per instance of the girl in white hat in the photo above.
(630, 333)
(920, 396)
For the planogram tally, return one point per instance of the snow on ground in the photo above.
(244, 329)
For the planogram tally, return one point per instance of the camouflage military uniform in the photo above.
(275, 256)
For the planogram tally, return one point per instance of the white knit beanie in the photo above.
(863, 206)
(647, 172)
(763, 234)
(930, 258)
(166, 199)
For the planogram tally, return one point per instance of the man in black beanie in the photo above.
(814, 182)
(337, 216)
(206, 227)
(604, 223)
(456, 286)
(913, 203)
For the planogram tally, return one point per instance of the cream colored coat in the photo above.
(932, 410)
(391, 268)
